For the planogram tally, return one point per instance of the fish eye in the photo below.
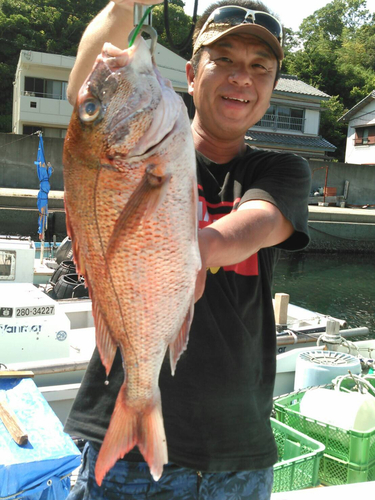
(90, 109)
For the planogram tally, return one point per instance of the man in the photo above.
(251, 203)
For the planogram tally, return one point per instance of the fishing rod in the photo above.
(143, 18)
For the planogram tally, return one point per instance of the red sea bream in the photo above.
(131, 206)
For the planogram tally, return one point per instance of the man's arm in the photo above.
(235, 237)
(113, 24)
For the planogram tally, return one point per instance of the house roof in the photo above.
(361, 104)
(296, 141)
(291, 85)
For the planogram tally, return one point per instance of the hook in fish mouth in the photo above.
(150, 31)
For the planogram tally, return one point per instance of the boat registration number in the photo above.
(25, 312)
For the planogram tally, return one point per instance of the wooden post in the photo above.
(281, 309)
(12, 423)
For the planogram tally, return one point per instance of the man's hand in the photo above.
(202, 274)
(113, 24)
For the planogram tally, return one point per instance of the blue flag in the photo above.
(44, 173)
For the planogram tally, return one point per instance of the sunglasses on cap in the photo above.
(233, 15)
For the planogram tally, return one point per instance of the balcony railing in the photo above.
(55, 95)
(281, 122)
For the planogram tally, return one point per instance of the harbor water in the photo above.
(340, 285)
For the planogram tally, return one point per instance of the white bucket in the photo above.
(348, 410)
(321, 367)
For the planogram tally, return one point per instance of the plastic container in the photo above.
(299, 456)
(321, 367)
(348, 410)
(334, 472)
(356, 449)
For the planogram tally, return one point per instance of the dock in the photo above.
(341, 229)
(332, 229)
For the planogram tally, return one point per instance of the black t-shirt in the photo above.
(217, 406)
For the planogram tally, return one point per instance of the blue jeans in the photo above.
(132, 480)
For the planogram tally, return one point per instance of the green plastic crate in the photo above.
(334, 472)
(355, 448)
(299, 456)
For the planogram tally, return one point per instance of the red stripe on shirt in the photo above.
(248, 267)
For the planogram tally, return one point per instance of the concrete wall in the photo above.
(18, 153)
(17, 156)
(360, 177)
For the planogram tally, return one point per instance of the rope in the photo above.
(22, 138)
(362, 384)
(338, 340)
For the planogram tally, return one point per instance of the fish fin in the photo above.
(144, 201)
(106, 346)
(153, 444)
(129, 427)
(178, 346)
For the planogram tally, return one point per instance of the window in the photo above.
(283, 117)
(31, 129)
(39, 87)
(364, 136)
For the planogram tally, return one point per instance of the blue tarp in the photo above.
(38, 468)
(44, 173)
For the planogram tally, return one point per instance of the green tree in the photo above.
(53, 26)
(335, 56)
(179, 3)
(330, 129)
(180, 24)
(56, 26)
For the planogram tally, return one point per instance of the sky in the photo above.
(290, 12)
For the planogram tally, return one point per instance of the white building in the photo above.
(39, 96)
(360, 142)
(292, 121)
(290, 124)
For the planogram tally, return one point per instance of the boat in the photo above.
(54, 338)
(56, 334)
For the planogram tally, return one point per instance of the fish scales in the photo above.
(131, 205)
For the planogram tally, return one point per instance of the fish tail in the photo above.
(129, 427)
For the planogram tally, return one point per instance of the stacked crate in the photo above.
(349, 455)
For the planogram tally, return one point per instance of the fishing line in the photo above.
(22, 138)
(184, 45)
(139, 27)
(176, 47)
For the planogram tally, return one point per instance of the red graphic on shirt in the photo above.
(248, 267)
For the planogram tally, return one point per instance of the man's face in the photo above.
(233, 85)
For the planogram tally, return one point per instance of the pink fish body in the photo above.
(131, 205)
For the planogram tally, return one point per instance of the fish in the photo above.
(132, 215)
